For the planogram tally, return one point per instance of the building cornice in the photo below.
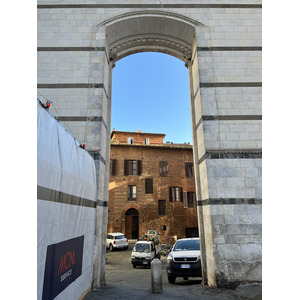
(163, 146)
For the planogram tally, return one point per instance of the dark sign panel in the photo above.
(63, 266)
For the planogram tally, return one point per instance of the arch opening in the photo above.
(169, 35)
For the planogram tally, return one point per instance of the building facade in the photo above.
(151, 186)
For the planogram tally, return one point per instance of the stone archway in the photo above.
(150, 31)
(75, 72)
(172, 34)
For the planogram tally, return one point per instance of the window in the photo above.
(164, 227)
(148, 185)
(162, 207)
(175, 194)
(113, 167)
(132, 167)
(146, 141)
(132, 192)
(189, 199)
(163, 168)
(130, 140)
(189, 169)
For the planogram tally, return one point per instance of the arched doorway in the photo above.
(132, 223)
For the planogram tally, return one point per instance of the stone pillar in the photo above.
(192, 65)
(156, 276)
(102, 160)
(228, 144)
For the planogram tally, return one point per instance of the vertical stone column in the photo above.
(192, 66)
(102, 158)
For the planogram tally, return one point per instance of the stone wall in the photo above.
(220, 42)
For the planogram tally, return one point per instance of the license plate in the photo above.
(185, 266)
(145, 263)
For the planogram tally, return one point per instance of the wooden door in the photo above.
(128, 227)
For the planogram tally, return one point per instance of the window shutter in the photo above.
(149, 185)
(114, 167)
(193, 194)
(191, 170)
(129, 192)
(185, 200)
(146, 185)
(170, 194)
(126, 167)
(181, 194)
(188, 169)
(139, 167)
(163, 168)
(162, 207)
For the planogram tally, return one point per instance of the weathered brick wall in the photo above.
(138, 137)
(177, 218)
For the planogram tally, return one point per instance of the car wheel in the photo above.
(134, 266)
(185, 278)
(111, 248)
(171, 279)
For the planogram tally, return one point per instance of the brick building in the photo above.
(151, 186)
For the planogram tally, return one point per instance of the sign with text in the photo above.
(63, 266)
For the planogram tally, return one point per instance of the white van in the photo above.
(143, 253)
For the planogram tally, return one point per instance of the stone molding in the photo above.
(229, 201)
(165, 14)
(228, 118)
(153, 42)
(150, 5)
(231, 154)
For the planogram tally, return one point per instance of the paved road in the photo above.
(125, 282)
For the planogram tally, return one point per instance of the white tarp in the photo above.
(66, 189)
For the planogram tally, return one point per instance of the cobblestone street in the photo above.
(125, 282)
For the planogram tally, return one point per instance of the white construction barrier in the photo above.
(66, 202)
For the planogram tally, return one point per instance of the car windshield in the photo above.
(119, 237)
(187, 245)
(151, 232)
(141, 248)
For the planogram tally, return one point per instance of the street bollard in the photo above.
(156, 276)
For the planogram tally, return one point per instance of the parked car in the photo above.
(116, 241)
(184, 260)
(143, 253)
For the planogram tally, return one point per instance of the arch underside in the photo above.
(150, 43)
(150, 32)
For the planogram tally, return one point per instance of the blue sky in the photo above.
(150, 92)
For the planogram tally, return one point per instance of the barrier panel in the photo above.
(66, 202)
